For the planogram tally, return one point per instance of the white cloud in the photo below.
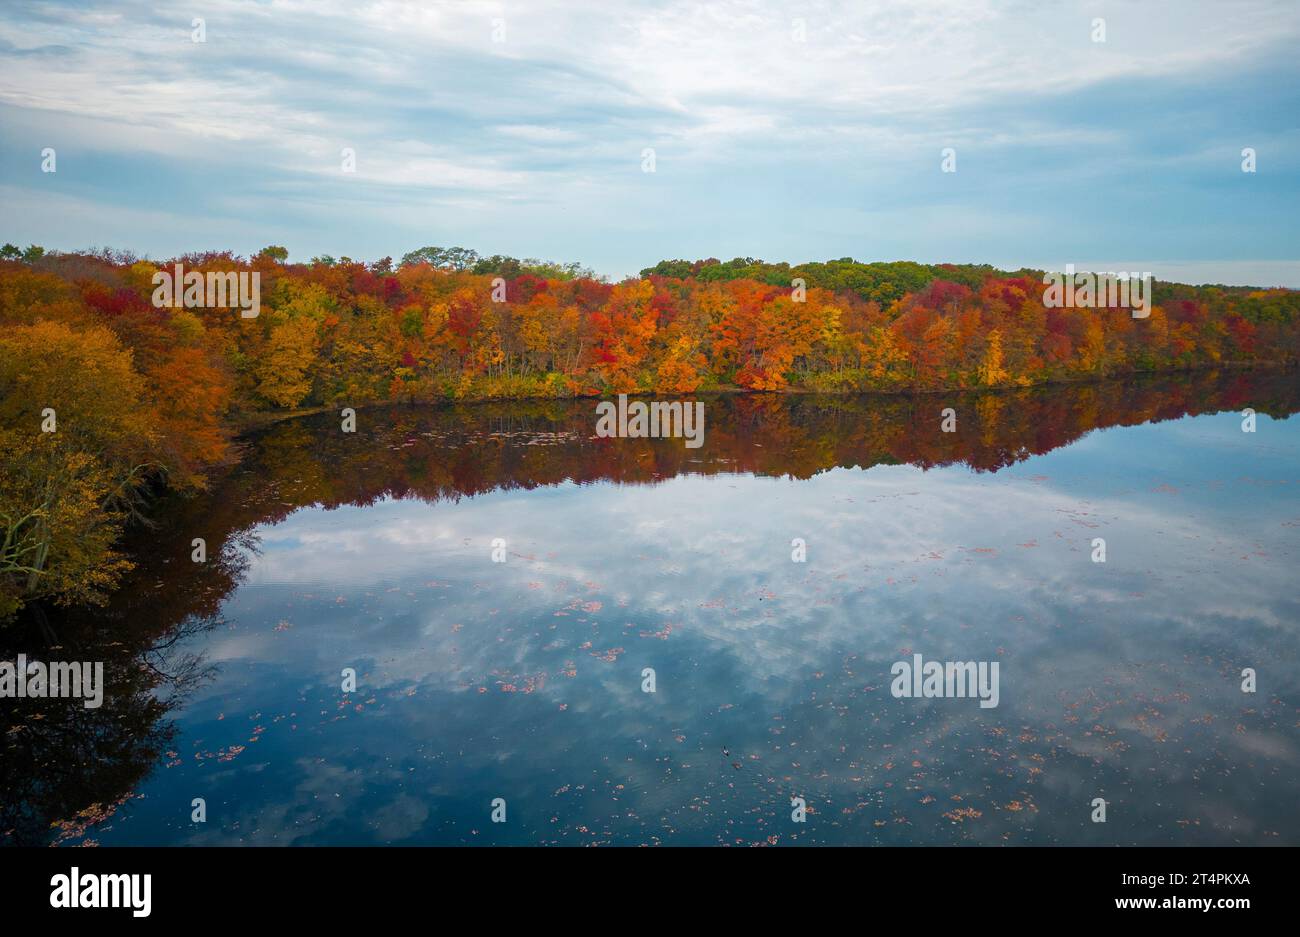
(466, 129)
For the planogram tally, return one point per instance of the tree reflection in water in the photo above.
(66, 769)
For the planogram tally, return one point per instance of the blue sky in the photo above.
(1123, 154)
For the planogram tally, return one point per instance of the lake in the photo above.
(625, 561)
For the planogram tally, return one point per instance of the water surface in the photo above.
(523, 680)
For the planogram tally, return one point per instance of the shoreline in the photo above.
(252, 420)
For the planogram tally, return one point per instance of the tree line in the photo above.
(106, 397)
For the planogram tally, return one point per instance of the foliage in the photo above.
(147, 395)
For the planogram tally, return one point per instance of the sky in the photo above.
(788, 131)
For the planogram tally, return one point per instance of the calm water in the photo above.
(523, 680)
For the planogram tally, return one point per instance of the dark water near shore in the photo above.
(523, 680)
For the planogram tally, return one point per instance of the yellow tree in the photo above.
(76, 440)
(1092, 350)
(883, 356)
(538, 323)
(290, 351)
(56, 536)
(991, 372)
(85, 381)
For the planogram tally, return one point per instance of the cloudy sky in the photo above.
(790, 130)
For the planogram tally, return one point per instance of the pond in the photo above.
(629, 641)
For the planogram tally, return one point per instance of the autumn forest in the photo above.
(106, 398)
